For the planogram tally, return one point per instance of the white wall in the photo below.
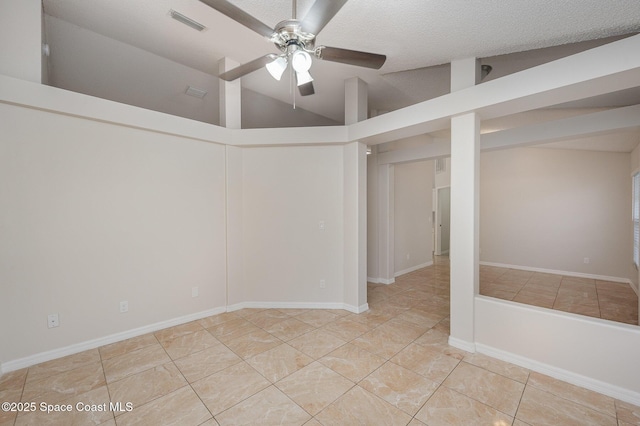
(372, 215)
(140, 76)
(21, 39)
(93, 214)
(413, 215)
(551, 208)
(287, 191)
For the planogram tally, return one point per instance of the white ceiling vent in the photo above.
(195, 92)
(187, 21)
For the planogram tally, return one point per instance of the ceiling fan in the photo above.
(296, 40)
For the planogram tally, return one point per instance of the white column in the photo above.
(386, 260)
(356, 99)
(464, 242)
(230, 97)
(355, 201)
(21, 40)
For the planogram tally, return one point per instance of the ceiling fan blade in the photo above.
(247, 68)
(240, 16)
(306, 89)
(320, 14)
(352, 57)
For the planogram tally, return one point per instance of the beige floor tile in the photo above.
(62, 386)
(432, 364)
(316, 343)
(293, 312)
(314, 387)
(13, 380)
(180, 408)
(582, 396)
(534, 298)
(439, 341)
(134, 362)
(540, 407)
(423, 319)
(489, 388)
(177, 331)
(209, 361)
(60, 365)
(447, 407)
(267, 407)
(373, 319)
(226, 388)
(382, 341)
(247, 312)
(444, 326)
(400, 387)
(89, 408)
(346, 328)
(317, 317)
(233, 329)
(267, 318)
(403, 330)
(289, 328)
(129, 345)
(279, 362)
(253, 343)
(313, 422)
(352, 362)
(141, 388)
(628, 413)
(514, 372)
(360, 407)
(189, 343)
(218, 319)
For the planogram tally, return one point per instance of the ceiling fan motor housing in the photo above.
(288, 36)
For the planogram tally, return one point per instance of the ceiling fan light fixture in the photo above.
(277, 67)
(301, 61)
(303, 78)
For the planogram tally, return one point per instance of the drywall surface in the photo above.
(94, 214)
(598, 354)
(552, 208)
(413, 218)
(287, 193)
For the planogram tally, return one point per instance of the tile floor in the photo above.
(601, 299)
(388, 366)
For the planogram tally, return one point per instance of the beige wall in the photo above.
(550, 209)
(286, 193)
(93, 214)
(412, 217)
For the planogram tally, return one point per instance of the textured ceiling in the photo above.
(418, 37)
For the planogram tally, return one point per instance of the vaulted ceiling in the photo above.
(134, 52)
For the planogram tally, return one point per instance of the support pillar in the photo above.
(465, 236)
(230, 97)
(355, 201)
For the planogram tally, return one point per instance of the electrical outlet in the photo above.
(321, 225)
(124, 306)
(408, 256)
(323, 284)
(53, 321)
(194, 291)
(586, 260)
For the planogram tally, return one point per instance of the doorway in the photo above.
(443, 215)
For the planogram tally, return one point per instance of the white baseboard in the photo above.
(381, 280)
(298, 305)
(576, 379)
(635, 288)
(556, 272)
(413, 268)
(101, 341)
(462, 344)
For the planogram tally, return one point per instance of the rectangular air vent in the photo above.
(195, 92)
(187, 21)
